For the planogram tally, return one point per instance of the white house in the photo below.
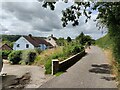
(52, 40)
(30, 42)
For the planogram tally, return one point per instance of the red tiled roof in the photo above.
(36, 41)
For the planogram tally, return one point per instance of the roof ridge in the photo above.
(36, 41)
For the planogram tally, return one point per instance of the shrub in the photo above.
(5, 53)
(60, 53)
(38, 50)
(72, 49)
(57, 55)
(67, 50)
(48, 66)
(28, 56)
(15, 57)
(76, 49)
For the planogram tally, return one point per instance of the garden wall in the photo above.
(64, 65)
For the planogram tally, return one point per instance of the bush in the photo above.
(57, 55)
(48, 66)
(72, 49)
(15, 57)
(60, 53)
(38, 50)
(67, 51)
(28, 56)
(76, 49)
(5, 53)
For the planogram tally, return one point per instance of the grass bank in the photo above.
(107, 44)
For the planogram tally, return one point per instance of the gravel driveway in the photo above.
(14, 72)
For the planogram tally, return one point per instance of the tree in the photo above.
(69, 39)
(80, 36)
(72, 13)
(83, 39)
(61, 41)
(108, 12)
(108, 16)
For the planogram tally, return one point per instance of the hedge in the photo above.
(15, 57)
(5, 53)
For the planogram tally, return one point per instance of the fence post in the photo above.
(55, 66)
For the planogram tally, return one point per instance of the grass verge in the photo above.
(107, 44)
(59, 73)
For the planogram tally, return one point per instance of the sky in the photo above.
(29, 17)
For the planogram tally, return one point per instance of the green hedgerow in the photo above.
(28, 56)
(72, 49)
(15, 57)
(48, 66)
(5, 53)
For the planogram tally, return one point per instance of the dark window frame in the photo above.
(27, 45)
(18, 45)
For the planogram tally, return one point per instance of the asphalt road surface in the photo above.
(92, 71)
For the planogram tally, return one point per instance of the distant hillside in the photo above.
(10, 38)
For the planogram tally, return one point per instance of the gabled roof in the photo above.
(36, 41)
(54, 38)
(5, 47)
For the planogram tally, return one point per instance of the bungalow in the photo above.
(30, 42)
(52, 40)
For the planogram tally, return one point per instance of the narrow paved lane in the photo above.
(92, 71)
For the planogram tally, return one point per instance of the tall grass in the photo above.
(105, 42)
(60, 53)
(45, 58)
(108, 43)
(54, 53)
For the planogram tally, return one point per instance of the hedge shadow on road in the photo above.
(102, 68)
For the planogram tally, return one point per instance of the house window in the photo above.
(27, 45)
(18, 45)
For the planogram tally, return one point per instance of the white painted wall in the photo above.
(22, 44)
(51, 41)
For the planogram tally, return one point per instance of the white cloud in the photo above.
(18, 1)
(30, 17)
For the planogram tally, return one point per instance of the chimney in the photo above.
(30, 35)
(51, 35)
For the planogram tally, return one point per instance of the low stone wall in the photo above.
(64, 65)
